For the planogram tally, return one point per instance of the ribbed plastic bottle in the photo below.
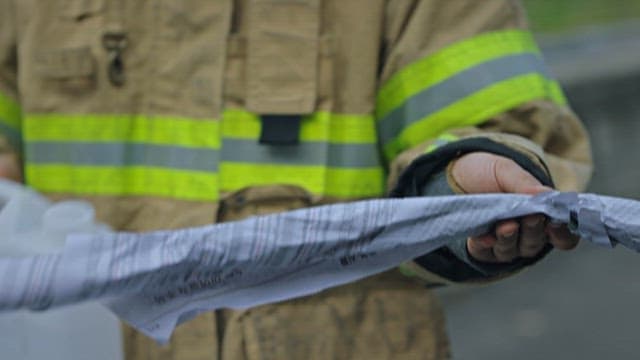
(30, 224)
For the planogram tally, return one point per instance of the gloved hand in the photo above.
(10, 167)
(482, 172)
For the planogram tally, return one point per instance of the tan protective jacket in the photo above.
(151, 109)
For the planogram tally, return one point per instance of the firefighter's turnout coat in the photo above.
(168, 114)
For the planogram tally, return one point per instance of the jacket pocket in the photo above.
(282, 56)
(60, 52)
(69, 69)
(80, 10)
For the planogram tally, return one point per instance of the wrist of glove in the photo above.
(454, 261)
(433, 174)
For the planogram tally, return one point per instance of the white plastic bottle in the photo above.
(30, 224)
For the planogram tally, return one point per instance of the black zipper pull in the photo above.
(115, 43)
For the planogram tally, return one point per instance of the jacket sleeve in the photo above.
(10, 113)
(467, 76)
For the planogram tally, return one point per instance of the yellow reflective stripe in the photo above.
(323, 126)
(406, 270)
(555, 93)
(449, 61)
(473, 110)
(320, 126)
(342, 183)
(355, 183)
(240, 124)
(432, 100)
(176, 131)
(142, 176)
(135, 181)
(441, 140)
(10, 112)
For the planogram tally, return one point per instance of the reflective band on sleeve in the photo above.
(10, 120)
(462, 85)
(472, 110)
(441, 140)
(449, 61)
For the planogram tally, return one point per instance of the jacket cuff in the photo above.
(427, 176)
(423, 168)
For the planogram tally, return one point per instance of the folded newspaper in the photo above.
(155, 281)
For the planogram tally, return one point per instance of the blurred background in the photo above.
(584, 304)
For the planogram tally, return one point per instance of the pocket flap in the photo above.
(65, 63)
(282, 56)
(78, 9)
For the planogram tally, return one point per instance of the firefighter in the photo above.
(168, 114)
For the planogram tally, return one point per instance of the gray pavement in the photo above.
(582, 305)
(579, 305)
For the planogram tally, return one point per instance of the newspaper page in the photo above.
(155, 281)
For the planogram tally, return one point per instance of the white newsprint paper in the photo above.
(155, 281)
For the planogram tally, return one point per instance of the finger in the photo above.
(511, 178)
(480, 248)
(506, 247)
(533, 236)
(474, 173)
(481, 172)
(560, 236)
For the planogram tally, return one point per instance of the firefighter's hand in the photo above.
(481, 172)
(10, 167)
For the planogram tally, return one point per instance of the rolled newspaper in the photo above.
(156, 280)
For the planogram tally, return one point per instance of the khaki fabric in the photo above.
(388, 316)
(8, 74)
(5, 147)
(371, 319)
(8, 60)
(9, 164)
(550, 132)
(282, 56)
(195, 58)
(148, 214)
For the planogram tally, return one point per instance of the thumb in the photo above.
(482, 172)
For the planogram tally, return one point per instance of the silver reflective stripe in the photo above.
(306, 153)
(12, 135)
(455, 88)
(122, 154)
(199, 159)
